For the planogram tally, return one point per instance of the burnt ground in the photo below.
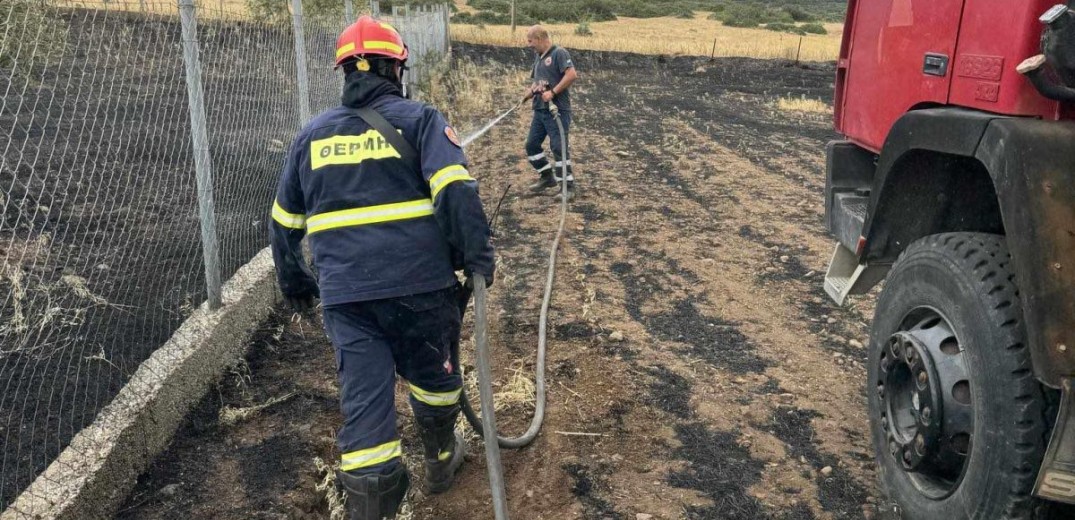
(689, 333)
(100, 254)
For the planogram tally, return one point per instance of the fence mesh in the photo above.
(100, 251)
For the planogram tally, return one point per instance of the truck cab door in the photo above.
(899, 55)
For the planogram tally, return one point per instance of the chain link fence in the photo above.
(139, 151)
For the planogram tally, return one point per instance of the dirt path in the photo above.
(688, 330)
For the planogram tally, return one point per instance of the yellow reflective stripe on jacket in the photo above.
(369, 215)
(446, 176)
(370, 456)
(436, 398)
(350, 149)
(288, 220)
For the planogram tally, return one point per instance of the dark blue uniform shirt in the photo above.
(378, 229)
(549, 70)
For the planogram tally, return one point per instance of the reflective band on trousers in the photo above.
(370, 456)
(537, 157)
(369, 215)
(436, 398)
(446, 176)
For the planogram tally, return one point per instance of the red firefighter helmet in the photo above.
(370, 37)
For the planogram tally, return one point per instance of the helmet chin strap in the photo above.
(403, 86)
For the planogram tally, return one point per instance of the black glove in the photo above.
(303, 301)
(301, 304)
(489, 278)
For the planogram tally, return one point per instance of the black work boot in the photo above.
(546, 181)
(374, 497)
(443, 450)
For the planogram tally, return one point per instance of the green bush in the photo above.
(797, 14)
(686, 15)
(583, 29)
(745, 16)
(814, 28)
(595, 11)
(640, 9)
(502, 6)
(784, 27)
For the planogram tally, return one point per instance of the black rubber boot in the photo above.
(374, 497)
(443, 450)
(545, 182)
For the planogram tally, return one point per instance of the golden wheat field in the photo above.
(669, 35)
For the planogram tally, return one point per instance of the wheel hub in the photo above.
(925, 402)
(913, 405)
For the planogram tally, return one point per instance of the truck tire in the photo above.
(957, 418)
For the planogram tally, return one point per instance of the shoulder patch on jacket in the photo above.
(452, 136)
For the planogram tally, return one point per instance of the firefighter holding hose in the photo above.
(552, 75)
(381, 188)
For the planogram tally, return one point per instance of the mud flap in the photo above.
(1056, 479)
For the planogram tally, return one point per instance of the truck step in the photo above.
(847, 276)
(1056, 478)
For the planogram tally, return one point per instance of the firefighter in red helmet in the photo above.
(381, 188)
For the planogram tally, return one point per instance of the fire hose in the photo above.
(487, 428)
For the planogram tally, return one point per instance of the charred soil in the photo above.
(689, 336)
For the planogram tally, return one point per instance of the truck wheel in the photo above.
(956, 415)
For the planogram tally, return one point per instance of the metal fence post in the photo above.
(349, 12)
(447, 29)
(300, 63)
(203, 163)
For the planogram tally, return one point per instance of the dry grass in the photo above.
(230, 416)
(337, 506)
(669, 36)
(18, 322)
(802, 104)
(469, 94)
(31, 37)
(78, 285)
(519, 390)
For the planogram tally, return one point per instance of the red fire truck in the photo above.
(955, 185)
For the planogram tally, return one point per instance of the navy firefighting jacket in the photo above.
(377, 228)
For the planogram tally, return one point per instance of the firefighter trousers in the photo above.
(411, 336)
(544, 125)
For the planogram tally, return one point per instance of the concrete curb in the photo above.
(95, 473)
